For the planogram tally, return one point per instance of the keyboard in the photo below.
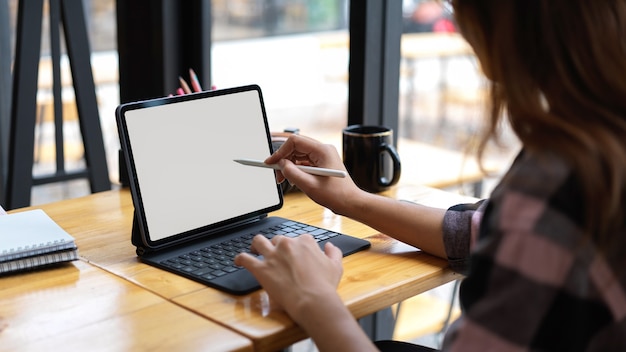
(217, 260)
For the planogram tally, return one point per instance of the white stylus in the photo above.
(319, 171)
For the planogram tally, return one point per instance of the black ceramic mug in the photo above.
(370, 158)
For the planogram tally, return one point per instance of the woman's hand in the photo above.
(303, 280)
(294, 271)
(337, 194)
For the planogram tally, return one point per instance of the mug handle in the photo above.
(395, 158)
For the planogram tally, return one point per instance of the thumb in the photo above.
(247, 261)
(333, 252)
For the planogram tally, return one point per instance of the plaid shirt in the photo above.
(534, 282)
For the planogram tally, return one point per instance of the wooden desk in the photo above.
(79, 307)
(374, 279)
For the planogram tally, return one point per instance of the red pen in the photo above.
(180, 91)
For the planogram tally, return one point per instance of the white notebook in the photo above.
(31, 233)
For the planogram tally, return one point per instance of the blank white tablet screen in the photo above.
(183, 154)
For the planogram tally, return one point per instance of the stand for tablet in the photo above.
(135, 236)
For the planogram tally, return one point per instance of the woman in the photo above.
(545, 255)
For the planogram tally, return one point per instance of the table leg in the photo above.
(380, 325)
(478, 189)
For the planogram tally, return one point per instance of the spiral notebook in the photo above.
(32, 239)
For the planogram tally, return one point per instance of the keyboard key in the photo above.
(203, 271)
(210, 261)
(209, 277)
(189, 269)
(230, 269)
(318, 232)
(216, 266)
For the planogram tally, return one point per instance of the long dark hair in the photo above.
(558, 71)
